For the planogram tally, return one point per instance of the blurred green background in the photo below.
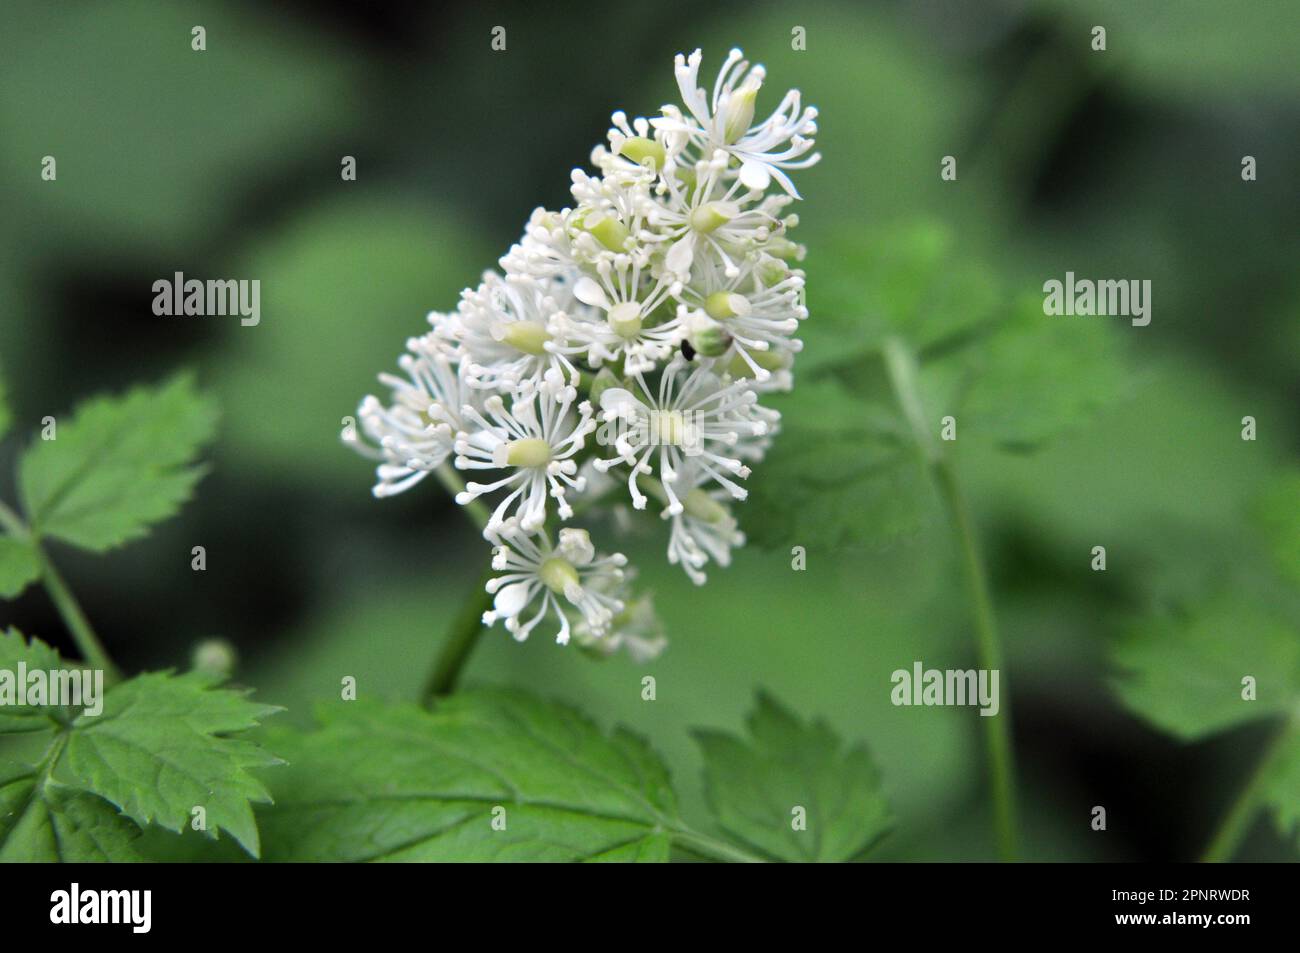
(226, 163)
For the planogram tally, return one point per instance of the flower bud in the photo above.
(709, 339)
(740, 108)
(639, 149)
(725, 304)
(608, 230)
(710, 217)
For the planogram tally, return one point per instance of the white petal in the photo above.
(588, 291)
(510, 601)
(616, 400)
(679, 257)
(755, 175)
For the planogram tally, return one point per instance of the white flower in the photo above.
(611, 215)
(505, 328)
(655, 433)
(631, 330)
(750, 314)
(535, 440)
(545, 250)
(636, 629)
(702, 529)
(413, 434)
(701, 215)
(724, 122)
(557, 581)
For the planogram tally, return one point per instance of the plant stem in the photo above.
(1237, 822)
(467, 627)
(92, 650)
(901, 364)
(450, 479)
(461, 638)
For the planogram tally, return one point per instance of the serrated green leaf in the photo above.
(162, 746)
(41, 822)
(17, 653)
(18, 566)
(756, 787)
(402, 784)
(117, 466)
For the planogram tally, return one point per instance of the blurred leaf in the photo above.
(18, 566)
(352, 281)
(6, 416)
(120, 464)
(1183, 671)
(835, 475)
(754, 785)
(908, 279)
(117, 96)
(1277, 511)
(1169, 48)
(403, 784)
(1036, 376)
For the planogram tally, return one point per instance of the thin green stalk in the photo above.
(92, 650)
(462, 637)
(1241, 816)
(467, 628)
(997, 729)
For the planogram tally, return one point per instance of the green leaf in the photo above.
(161, 746)
(1277, 512)
(42, 822)
(404, 784)
(988, 355)
(756, 786)
(1033, 377)
(17, 652)
(18, 566)
(844, 469)
(1183, 670)
(1185, 673)
(119, 465)
(835, 475)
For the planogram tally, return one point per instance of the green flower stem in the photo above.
(1237, 822)
(92, 650)
(901, 364)
(467, 628)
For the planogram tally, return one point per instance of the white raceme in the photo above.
(619, 356)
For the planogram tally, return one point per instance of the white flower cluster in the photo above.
(626, 342)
